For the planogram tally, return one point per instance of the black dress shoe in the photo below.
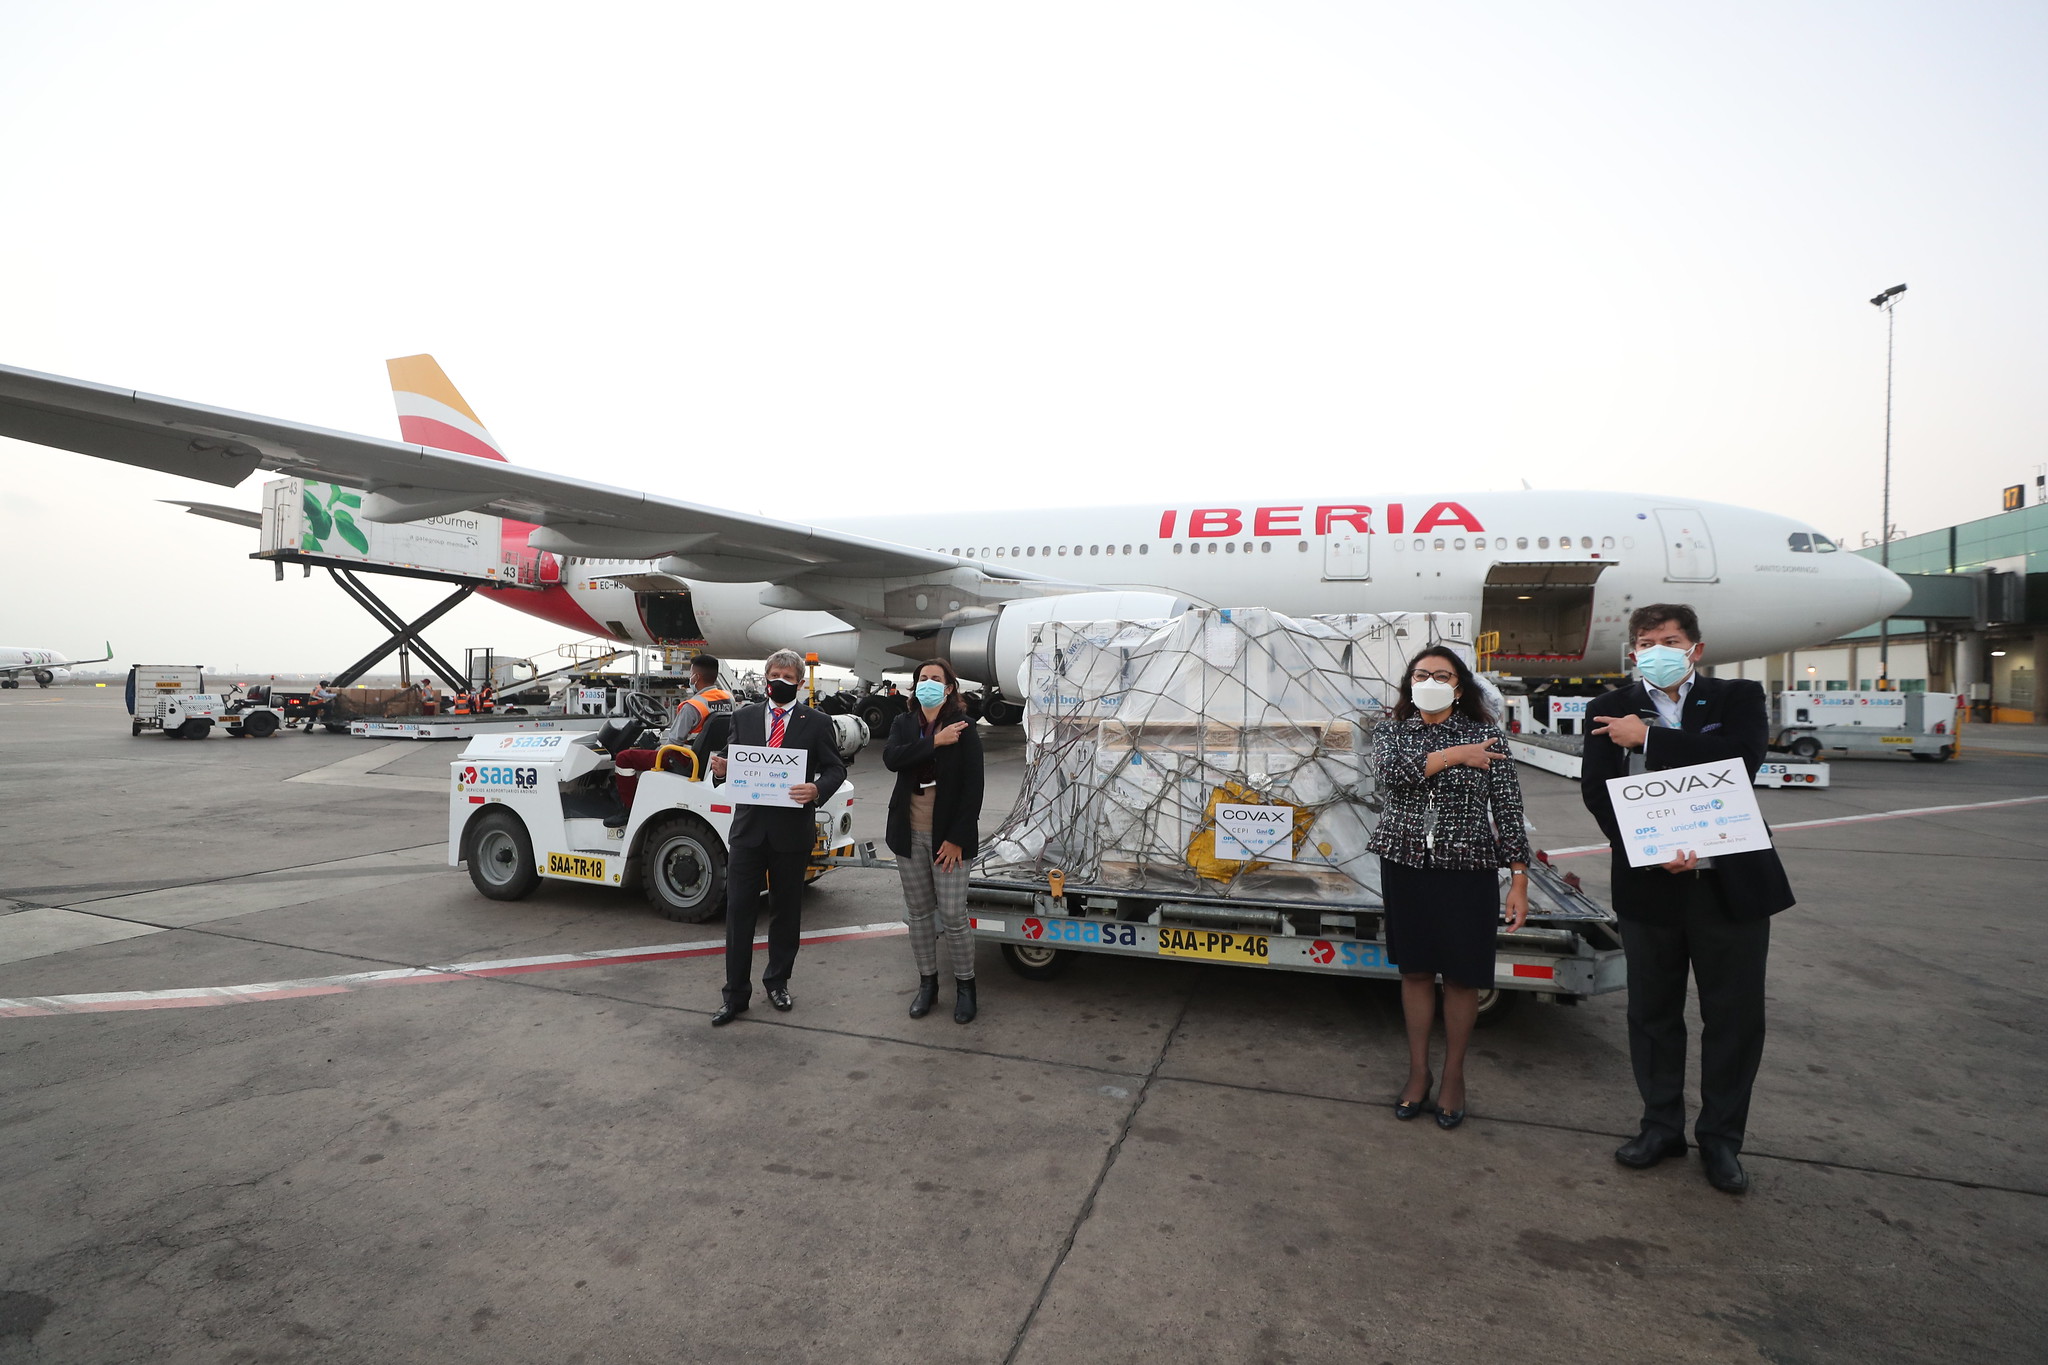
(1724, 1172)
(1645, 1150)
(964, 1006)
(779, 998)
(618, 821)
(726, 1014)
(927, 996)
(1448, 1119)
(1408, 1109)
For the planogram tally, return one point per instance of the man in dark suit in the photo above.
(1710, 916)
(773, 843)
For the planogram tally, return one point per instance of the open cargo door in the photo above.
(1542, 611)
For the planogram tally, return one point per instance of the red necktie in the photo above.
(775, 733)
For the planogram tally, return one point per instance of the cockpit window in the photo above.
(1801, 542)
(1822, 545)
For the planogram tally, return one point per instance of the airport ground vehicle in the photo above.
(1152, 746)
(1926, 726)
(171, 698)
(1569, 949)
(523, 807)
(1554, 745)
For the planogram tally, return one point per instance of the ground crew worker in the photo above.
(707, 699)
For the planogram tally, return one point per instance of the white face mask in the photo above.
(1433, 695)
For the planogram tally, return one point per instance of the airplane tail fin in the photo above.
(432, 413)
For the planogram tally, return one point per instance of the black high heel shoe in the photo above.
(1408, 1109)
(1448, 1119)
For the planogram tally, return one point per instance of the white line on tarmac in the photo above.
(191, 996)
(354, 771)
(1583, 849)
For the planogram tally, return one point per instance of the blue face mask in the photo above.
(930, 693)
(1663, 666)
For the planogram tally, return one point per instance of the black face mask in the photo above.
(781, 691)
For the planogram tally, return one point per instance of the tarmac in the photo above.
(364, 1161)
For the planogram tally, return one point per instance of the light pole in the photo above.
(1888, 302)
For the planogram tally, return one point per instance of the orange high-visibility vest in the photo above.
(461, 707)
(701, 703)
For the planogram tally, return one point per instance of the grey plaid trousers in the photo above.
(928, 890)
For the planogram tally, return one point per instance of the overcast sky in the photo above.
(844, 258)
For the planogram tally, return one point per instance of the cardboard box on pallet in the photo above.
(1137, 730)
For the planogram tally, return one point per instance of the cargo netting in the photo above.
(1136, 732)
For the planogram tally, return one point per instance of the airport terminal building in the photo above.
(1977, 624)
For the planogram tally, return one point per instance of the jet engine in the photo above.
(991, 650)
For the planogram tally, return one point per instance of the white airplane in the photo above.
(1555, 573)
(40, 664)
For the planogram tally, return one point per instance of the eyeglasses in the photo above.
(1441, 675)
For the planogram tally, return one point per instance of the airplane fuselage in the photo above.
(1556, 573)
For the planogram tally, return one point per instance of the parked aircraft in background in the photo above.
(41, 664)
(1555, 573)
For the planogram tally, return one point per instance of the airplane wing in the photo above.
(575, 516)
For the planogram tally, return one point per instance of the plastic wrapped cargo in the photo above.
(1151, 747)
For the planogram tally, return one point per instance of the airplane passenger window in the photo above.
(1500, 542)
(1822, 545)
(1015, 551)
(1092, 549)
(1212, 547)
(1230, 547)
(1302, 545)
(1063, 549)
(1521, 542)
(1458, 544)
(1265, 547)
(1585, 542)
(1628, 542)
(1127, 549)
(1607, 542)
(1543, 542)
(1176, 547)
(1109, 549)
(1418, 543)
(1144, 549)
(1400, 544)
(1800, 542)
(1439, 543)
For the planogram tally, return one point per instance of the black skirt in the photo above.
(1441, 921)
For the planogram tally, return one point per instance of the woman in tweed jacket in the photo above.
(1452, 818)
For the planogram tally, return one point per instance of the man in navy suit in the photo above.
(1710, 917)
(773, 843)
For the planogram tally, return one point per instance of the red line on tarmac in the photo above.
(1584, 849)
(191, 997)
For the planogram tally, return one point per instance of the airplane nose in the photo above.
(1893, 592)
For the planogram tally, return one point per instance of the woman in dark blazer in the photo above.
(1452, 819)
(934, 830)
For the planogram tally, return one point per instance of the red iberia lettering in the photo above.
(1357, 518)
(1276, 521)
(1215, 521)
(1448, 514)
(1397, 517)
(1166, 524)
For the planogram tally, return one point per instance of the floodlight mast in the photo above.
(1888, 301)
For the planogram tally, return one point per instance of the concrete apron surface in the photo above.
(1135, 1161)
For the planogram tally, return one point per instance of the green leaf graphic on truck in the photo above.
(326, 506)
